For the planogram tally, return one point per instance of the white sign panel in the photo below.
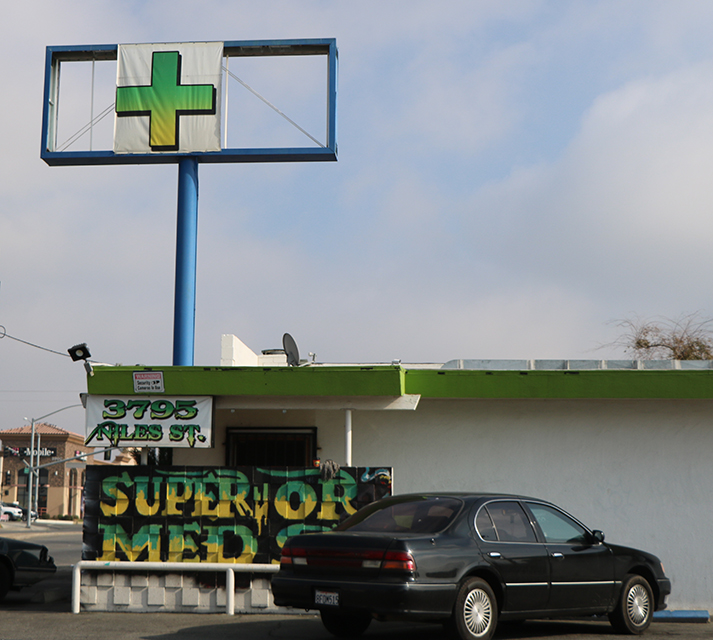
(148, 382)
(149, 421)
(168, 97)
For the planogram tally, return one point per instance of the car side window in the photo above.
(556, 526)
(484, 525)
(510, 522)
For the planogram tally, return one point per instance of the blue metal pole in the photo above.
(184, 318)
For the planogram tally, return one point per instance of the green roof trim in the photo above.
(602, 384)
(393, 380)
(257, 381)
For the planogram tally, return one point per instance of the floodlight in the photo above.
(79, 352)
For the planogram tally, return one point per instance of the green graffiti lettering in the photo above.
(148, 495)
(184, 542)
(144, 545)
(230, 543)
(305, 503)
(197, 514)
(179, 493)
(295, 473)
(338, 494)
(118, 501)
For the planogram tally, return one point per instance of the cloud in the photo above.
(623, 213)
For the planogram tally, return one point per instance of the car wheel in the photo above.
(345, 625)
(635, 608)
(5, 580)
(476, 610)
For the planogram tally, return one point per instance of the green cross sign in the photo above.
(165, 100)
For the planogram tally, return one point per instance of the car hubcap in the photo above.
(477, 612)
(637, 604)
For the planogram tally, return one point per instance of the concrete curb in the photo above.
(682, 616)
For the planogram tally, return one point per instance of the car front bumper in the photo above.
(664, 589)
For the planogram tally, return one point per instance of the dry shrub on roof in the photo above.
(690, 337)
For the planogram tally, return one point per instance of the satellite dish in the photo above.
(290, 347)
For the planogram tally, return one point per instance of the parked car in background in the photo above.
(24, 513)
(23, 564)
(11, 510)
(468, 561)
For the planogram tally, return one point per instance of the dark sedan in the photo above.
(468, 561)
(22, 564)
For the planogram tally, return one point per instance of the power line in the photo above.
(35, 392)
(5, 334)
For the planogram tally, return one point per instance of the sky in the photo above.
(514, 177)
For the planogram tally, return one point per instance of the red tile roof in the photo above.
(40, 427)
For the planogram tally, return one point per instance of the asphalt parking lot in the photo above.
(43, 612)
(56, 625)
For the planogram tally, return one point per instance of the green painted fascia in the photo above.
(257, 381)
(430, 383)
(390, 380)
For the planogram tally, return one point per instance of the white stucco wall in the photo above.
(639, 470)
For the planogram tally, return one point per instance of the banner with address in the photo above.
(149, 421)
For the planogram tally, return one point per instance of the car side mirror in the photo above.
(597, 536)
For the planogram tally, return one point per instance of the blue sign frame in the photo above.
(55, 55)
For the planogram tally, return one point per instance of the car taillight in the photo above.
(398, 561)
(286, 557)
(292, 555)
(370, 559)
(347, 558)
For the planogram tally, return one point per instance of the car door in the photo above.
(581, 568)
(509, 544)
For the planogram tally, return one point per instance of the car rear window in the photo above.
(411, 515)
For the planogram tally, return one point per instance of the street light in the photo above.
(32, 458)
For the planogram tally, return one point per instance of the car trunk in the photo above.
(346, 554)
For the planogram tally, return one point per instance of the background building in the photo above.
(60, 485)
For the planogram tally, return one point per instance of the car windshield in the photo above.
(407, 515)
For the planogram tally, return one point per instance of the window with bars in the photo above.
(295, 447)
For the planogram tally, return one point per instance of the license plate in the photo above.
(329, 598)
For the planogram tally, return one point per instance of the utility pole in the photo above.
(34, 468)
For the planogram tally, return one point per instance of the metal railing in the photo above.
(178, 567)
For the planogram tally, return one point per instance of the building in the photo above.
(60, 485)
(625, 446)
